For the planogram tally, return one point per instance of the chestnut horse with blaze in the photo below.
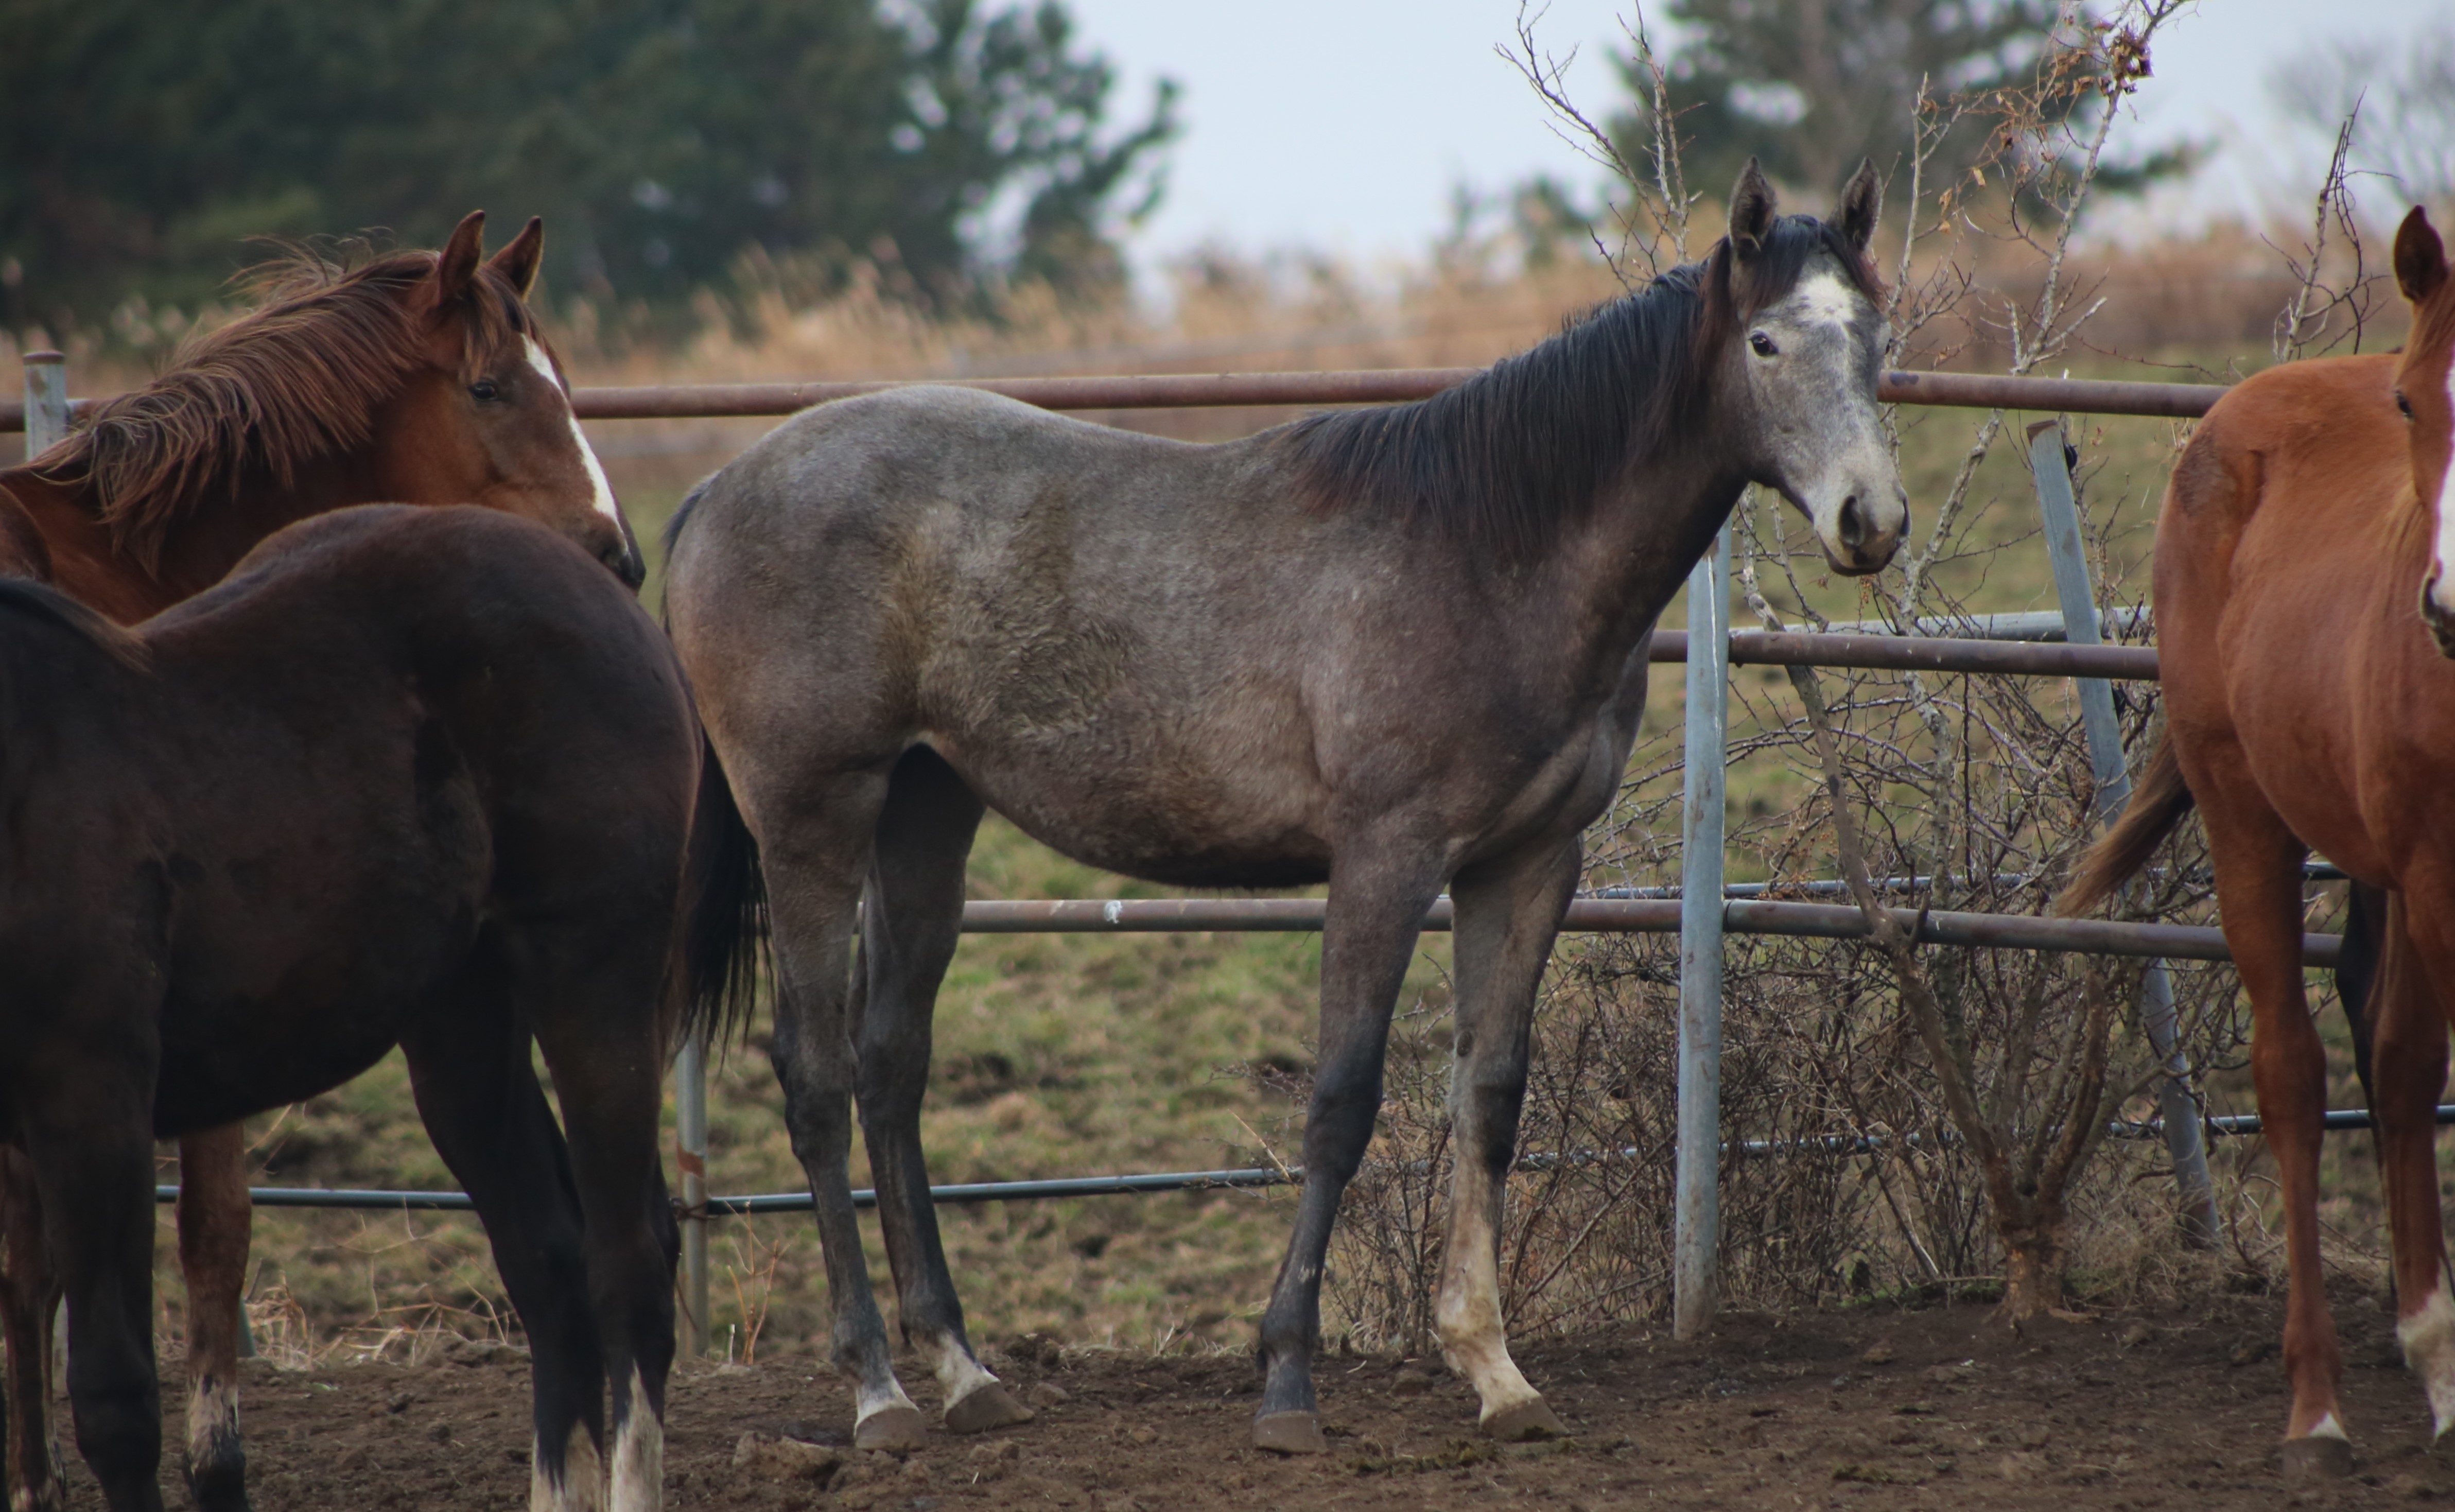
(417, 377)
(2305, 615)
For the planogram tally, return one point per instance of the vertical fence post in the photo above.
(1697, 1225)
(46, 401)
(690, 1141)
(2060, 511)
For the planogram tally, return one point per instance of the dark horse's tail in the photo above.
(2158, 803)
(724, 924)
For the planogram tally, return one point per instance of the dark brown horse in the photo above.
(2310, 707)
(419, 378)
(413, 777)
(1390, 649)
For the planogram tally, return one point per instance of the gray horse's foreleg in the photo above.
(813, 856)
(1506, 918)
(911, 920)
(1375, 914)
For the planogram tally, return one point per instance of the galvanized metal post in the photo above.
(2060, 510)
(1697, 1223)
(690, 1153)
(46, 401)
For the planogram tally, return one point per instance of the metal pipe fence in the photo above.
(2005, 648)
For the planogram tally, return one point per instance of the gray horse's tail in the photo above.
(2158, 803)
(724, 925)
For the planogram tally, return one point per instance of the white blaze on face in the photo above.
(605, 504)
(2441, 556)
(2428, 1334)
(1825, 299)
(639, 1456)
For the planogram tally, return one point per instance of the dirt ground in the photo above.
(1876, 1409)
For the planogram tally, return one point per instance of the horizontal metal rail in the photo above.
(1918, 653)
(363, 1198)
(1826, 921)
(1252, 390)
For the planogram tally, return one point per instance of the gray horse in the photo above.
(1391, 649)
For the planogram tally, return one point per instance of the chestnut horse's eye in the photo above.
(1762, 344)
(484, 391)
(2403, 405)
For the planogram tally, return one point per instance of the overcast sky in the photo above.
(1341, 125)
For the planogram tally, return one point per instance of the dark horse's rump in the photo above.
(411, 776)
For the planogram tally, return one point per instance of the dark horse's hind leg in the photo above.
(1375, 914)
(92, 1155)
(30, 1304)
(469, 1067)
(814, 846)
(910, 922)
(1507, 915)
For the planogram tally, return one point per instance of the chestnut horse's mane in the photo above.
(299, 377)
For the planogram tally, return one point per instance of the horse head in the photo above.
(2425, 391)
(1806, 332)
(486, 417)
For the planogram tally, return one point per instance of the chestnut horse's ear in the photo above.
(1862, 200)
(455, 266)
(2420, 256)
(520, 257)
(1752, 212)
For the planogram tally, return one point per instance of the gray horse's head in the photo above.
(1808, 346)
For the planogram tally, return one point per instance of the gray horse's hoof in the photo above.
(2320, 1457)
(991, 1406)
(899, 1429)
(1525, 1423)
(1290, 1432)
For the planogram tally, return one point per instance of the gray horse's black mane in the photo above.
(1501, 460)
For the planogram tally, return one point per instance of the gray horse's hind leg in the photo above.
(1375, 914)
(814, 854)
(910, 922)
(1506, 918)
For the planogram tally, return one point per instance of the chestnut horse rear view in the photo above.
(413, 777)
(417, 377)
(2302, 569)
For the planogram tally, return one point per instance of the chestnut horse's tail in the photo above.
(725, 928)
(2158, 803)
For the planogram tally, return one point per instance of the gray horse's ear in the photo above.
(1862, 200)
(2420, 256)
(1752, 212)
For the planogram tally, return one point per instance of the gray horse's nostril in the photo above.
(1854, 530)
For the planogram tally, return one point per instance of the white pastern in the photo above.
(605, 504)
(868, 1402)
(639, 1456)
(1471, 1338)
(957, 1372)
(1825, 299)
(2427, 1334)
(213, 1412)
(582, 1487)
(2327, 1427)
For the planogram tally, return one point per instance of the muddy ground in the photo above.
(1932, 1408)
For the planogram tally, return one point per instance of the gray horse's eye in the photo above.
(1762, 344)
